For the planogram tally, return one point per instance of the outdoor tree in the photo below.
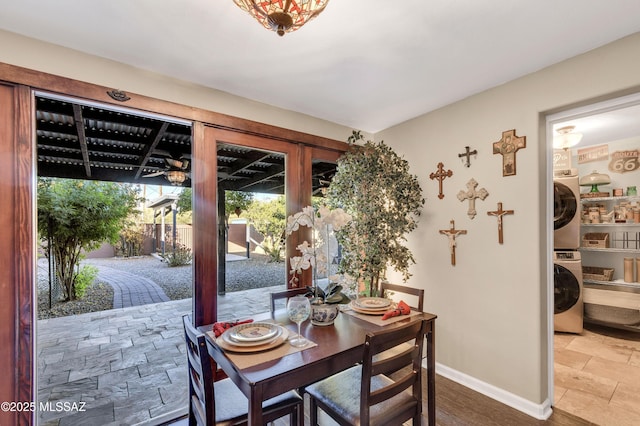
(269, 219)
(232, 200)
(80, 215)
(373, 184)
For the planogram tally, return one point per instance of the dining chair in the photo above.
(377, 392)
(222, 403)
(285, 294)
(417, 292)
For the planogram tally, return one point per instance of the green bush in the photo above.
(84, 278)
(179, 257)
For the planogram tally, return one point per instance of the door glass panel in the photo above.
(251, 193)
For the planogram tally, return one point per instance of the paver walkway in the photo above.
(127, 364)
(129, 289)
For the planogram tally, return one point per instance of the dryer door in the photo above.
(566, 289)
(565, 205)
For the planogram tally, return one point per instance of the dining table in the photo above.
(330, 350)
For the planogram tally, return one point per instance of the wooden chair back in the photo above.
(417, 292)
(404, 368)
(285, 294)
(201, 393)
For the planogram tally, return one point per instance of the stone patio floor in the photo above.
(127, 365)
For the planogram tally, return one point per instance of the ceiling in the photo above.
(364, 64)
(96, 142)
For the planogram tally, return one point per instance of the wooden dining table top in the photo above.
(338, 346)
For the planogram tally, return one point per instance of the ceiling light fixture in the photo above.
(175, 177)
(282, 16)
(566, 138)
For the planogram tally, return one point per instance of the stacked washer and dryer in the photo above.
(567, 264)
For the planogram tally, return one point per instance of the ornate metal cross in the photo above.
(499, 213)
(452, 233)
(471, 194)
(468, 154)
(507, 147)
(440, 176)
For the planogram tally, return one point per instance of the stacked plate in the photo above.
(371, 305)
(253, 337)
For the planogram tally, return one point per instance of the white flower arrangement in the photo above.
(324, 245)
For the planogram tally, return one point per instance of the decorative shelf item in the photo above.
(593, 180)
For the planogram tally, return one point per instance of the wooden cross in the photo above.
(440, 176)
(452, 233)
(499, 213)
(507, 147)
(467, 154)
(471, 194)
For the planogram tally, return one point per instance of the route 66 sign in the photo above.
(624, 161)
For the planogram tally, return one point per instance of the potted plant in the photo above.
(373, 185)
(318, 255)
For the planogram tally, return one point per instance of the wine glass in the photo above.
(298, 309)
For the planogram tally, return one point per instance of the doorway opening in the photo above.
(585, 378)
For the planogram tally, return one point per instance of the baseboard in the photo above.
(538, 411)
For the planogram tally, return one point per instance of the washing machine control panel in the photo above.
(566, 255)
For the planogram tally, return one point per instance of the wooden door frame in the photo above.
(18, 178)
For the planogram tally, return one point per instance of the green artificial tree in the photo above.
(373, 184)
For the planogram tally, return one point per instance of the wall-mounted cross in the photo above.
(440, 175)
(452, 233)
(507, 147)
(467, 154)
(471, 194)
(499, 213)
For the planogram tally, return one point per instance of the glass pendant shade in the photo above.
(566, 138)
(282, 16)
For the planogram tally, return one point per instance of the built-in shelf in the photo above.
(595, 225)
(611, 250)
(613, 283)
(622, 198)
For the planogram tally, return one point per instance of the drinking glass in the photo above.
(298, 309)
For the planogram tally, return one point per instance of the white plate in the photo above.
(227, 337)
(253, 332)
(372, 303)
(359, 310)
(263, 346)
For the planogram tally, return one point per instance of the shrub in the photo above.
(179, 257)
(84, 278)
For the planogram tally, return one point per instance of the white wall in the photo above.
(492, 306)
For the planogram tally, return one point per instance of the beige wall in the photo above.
(57, 60)
(492, 306)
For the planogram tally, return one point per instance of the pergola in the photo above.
(81, 140)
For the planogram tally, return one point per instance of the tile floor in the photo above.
(597, 375)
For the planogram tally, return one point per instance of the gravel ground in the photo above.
(255, 272)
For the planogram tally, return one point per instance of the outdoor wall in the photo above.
(492, 305)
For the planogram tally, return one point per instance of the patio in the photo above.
(127, 364)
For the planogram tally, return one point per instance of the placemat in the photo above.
(377, 319)
(244, 360)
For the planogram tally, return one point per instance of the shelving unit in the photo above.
(616, 302)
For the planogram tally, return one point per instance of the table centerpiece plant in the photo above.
(318, 255)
